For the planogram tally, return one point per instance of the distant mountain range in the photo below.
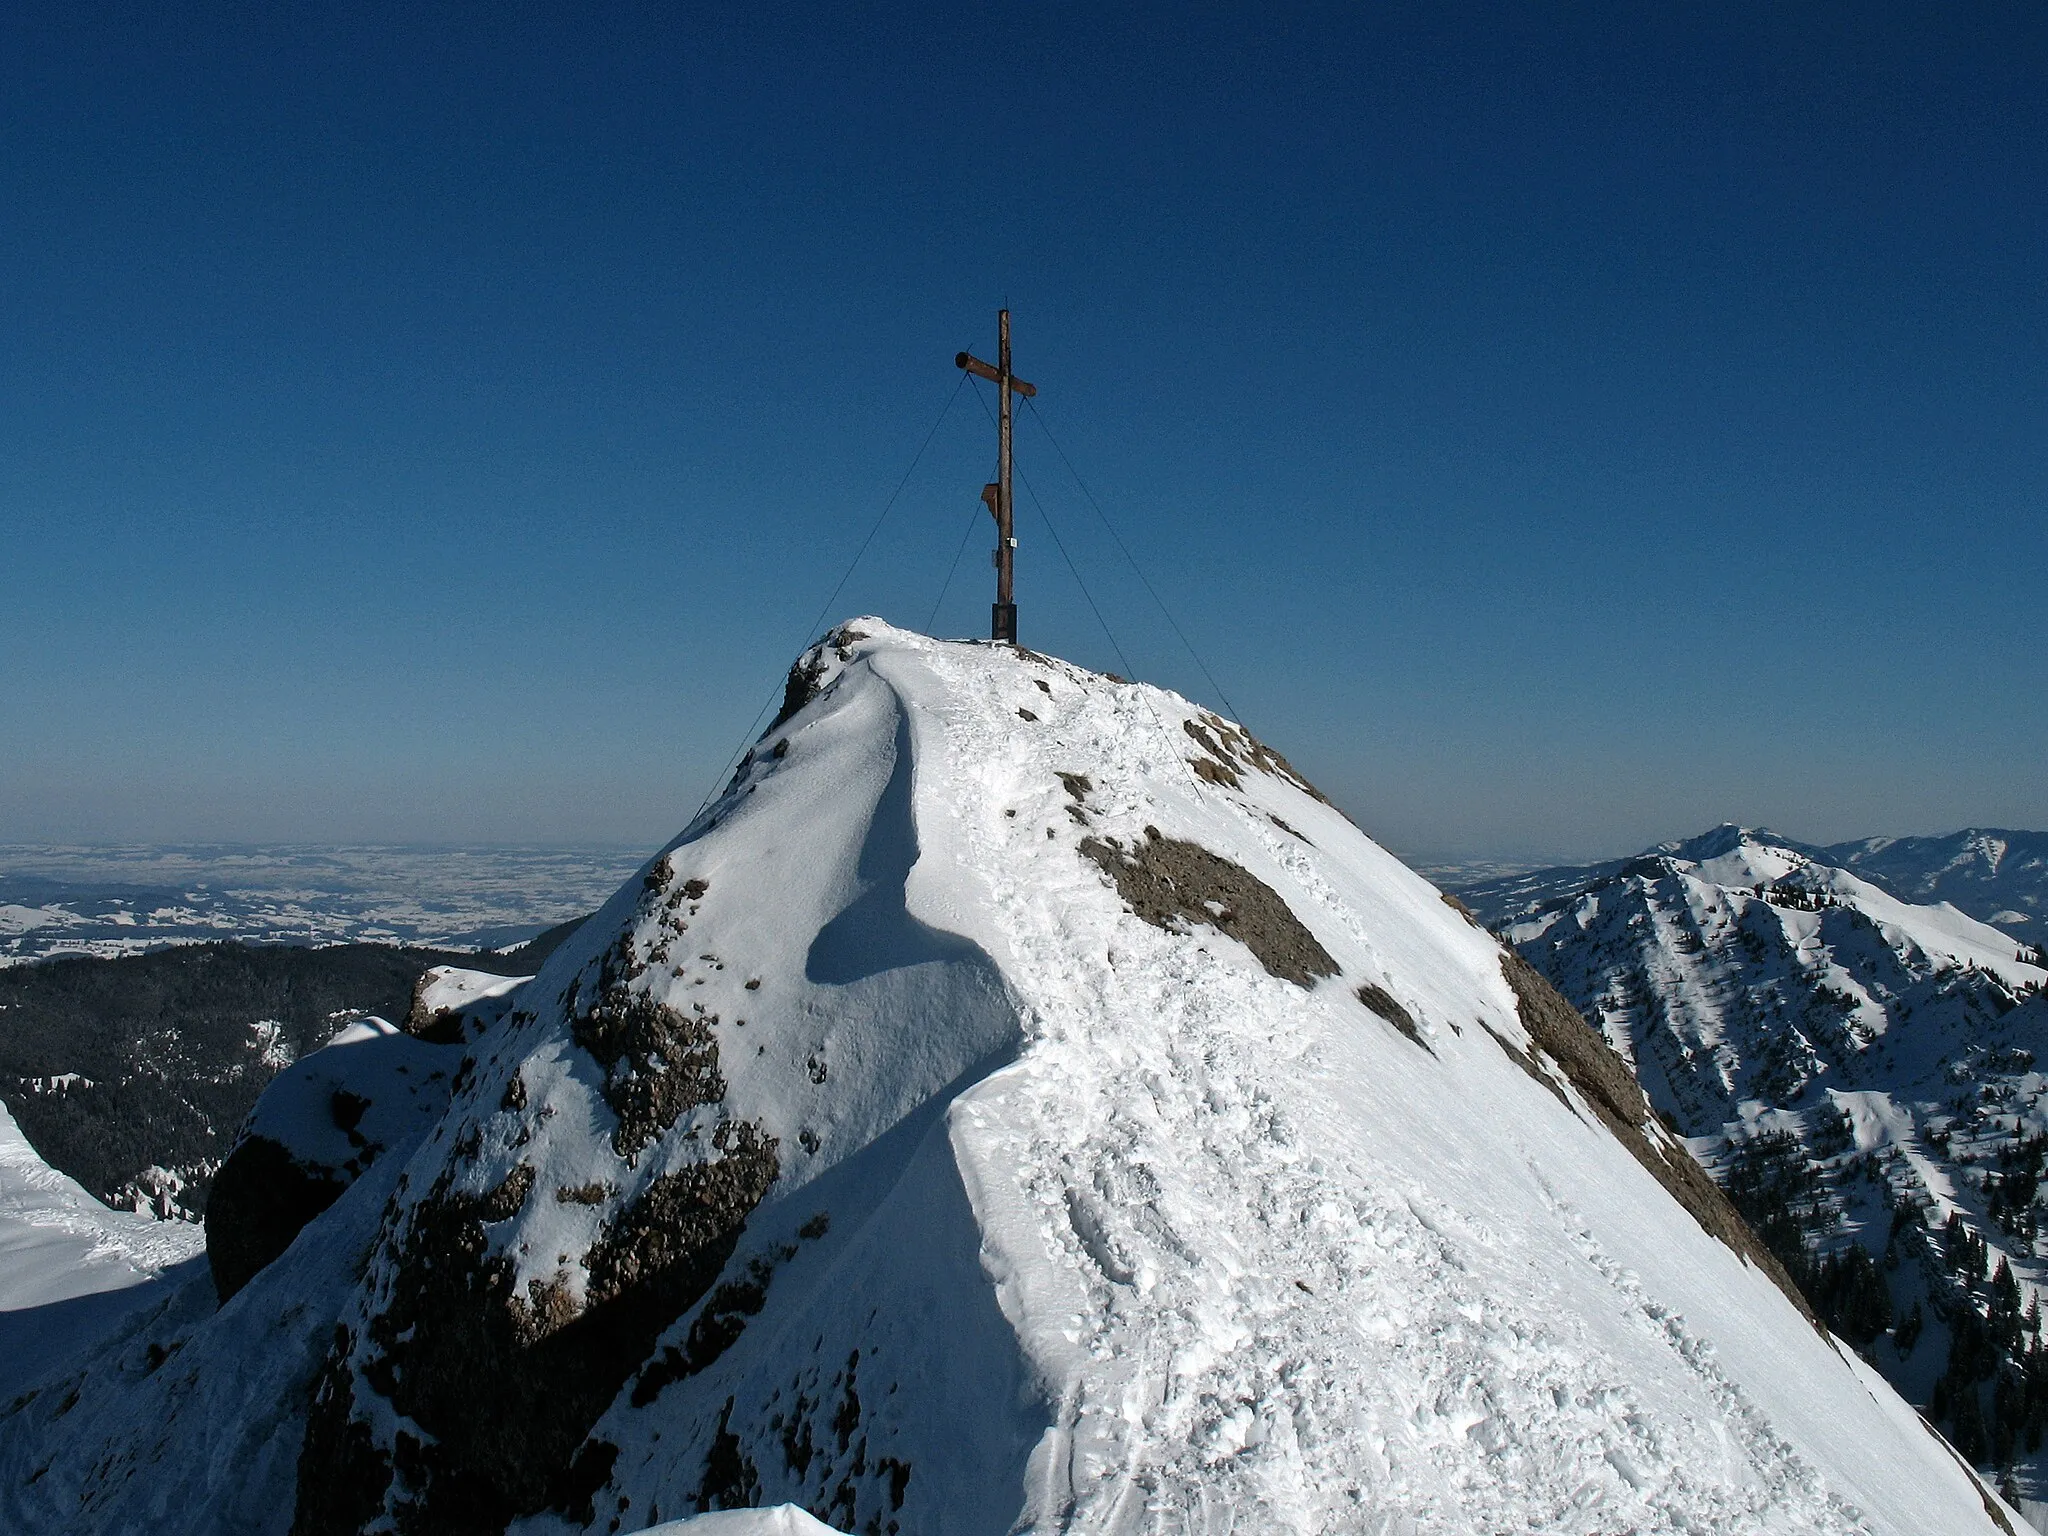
(1857, 1062)
(1996, 876)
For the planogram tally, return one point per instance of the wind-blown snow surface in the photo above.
(1004, 1208)
(782, 1520)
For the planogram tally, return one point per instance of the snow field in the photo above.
(57, 1242)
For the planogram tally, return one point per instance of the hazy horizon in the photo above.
(87, 862)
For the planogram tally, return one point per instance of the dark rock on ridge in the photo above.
(1166, 880)
(1558, 1032)
(507, 1385)
(319, 1125)
(262, 1197)
(497, 1386)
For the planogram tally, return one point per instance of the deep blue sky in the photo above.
(1559, 427)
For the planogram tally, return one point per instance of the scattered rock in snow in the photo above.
(1166, 880)
(509, 1385)
(452, 1006)
(659, 1063)
(1381, 1002)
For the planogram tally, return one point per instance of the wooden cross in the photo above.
(1003, 618)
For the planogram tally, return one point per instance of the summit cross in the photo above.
(1003, 617)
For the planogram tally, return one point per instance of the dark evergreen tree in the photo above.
(166, 1044)
(1908, 1331)
(1966, 1426)
(1851, 1294)
(2005, 1321)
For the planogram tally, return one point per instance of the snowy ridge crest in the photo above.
(1018, 1103)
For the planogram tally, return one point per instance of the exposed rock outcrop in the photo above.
(322, 1121)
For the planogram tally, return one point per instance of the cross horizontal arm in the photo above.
(981, 370)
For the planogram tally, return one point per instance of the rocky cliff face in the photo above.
(1018, 1103)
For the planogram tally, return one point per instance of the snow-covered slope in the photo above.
(1018, 1103)
(781, 1520)
(372, 1091)
(69, 1267)
(1860, 1065)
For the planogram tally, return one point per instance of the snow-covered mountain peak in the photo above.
(1731, 869)
(1712, 843)
(1734, 855)
(1996, 875)
(1018, 1102)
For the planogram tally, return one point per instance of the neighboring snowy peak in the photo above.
(1018, 1103)
(1727, 855)
(1738, 966)
(1733, 855)
(1996, 877)
(1735, 858)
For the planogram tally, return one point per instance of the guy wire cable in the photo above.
(846, 576)
(1046, 427)
(1129, 671)
(946, 586)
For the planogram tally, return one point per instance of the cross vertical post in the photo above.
(1003, 620)
(1003, 616)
